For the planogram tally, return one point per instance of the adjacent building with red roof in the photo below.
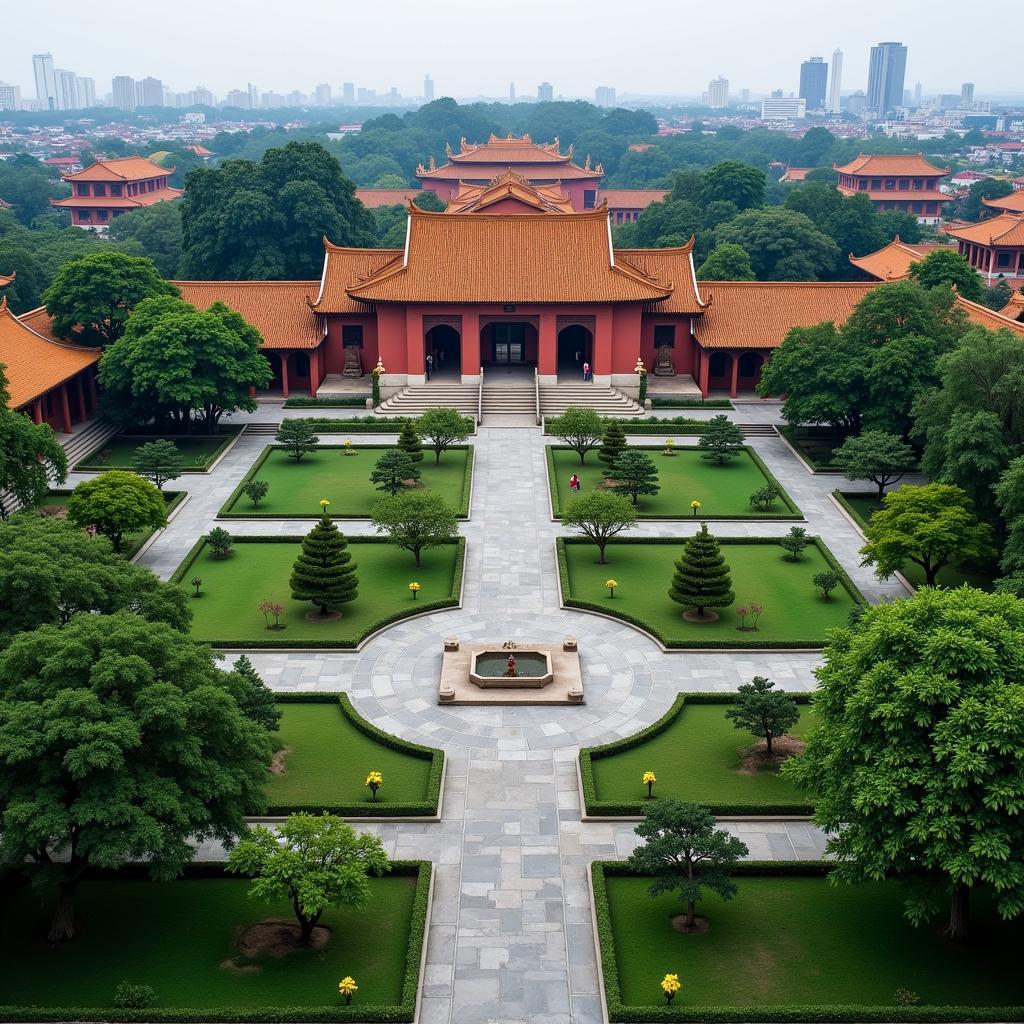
(905, 182)
(108, 188)
(1013, 203)
(994, 247)
(892, 262)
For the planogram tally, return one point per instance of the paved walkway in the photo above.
(510, 935)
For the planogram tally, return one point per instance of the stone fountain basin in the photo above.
(488, 667)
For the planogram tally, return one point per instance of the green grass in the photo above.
(723, 491)
(326, 760)
(697, 758)
(176, 936)
(297, 487)
(130, 542)
(793, 613)
(863, 506)
(233, 587)
(800, 941)
(198, 450)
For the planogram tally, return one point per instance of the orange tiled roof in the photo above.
(510, 150)
(6, 280)
(1015, 307)
(673, 265)
(892, 261)
(631, 198)
(128, 168)
(344, 267)
(484, 258)
(1013, 203)
(1006, 229)
(886, 165)
(979, 314)
(119, 202)
(796, 174)
(279, 310)
(372, 198)
(510, 186)
(34, 363)
(759, 314)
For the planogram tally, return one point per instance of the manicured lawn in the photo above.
(697, 758)
(326, 760)
(723, 491)
(233, 587)
(799, 940)
(865, 506)
(198, 450)
(296, 488)
(177, 936)
(793, 612)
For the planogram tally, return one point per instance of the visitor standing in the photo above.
(586, 371)
(430, 364)
(574, 483)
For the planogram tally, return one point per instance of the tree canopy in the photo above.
(115, 503)
(783, 245)
(415, 520)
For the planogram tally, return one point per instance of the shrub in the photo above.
(220, 542)
(133, 997)
(297, 437)
(701, 579)
(826, 581)
(763, 499)
(794, 543)
(256, 491)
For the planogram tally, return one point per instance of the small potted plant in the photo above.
(347, 987)
(670, 447)
(611, 585)
(670, 986)
(415, 588)
(348, 449)
(649, 780)
(373, 782)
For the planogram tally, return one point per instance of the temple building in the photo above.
(904, 182)
(1013, 203)
(892, 262)
(108, 188)
(994, 247)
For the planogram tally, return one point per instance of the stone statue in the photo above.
(353, 362)
(663, 364)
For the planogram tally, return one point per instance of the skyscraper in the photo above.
(718, 93)
(46, 87)
(428, 89)
(545, 92)
(967, 95)
(604, 96)
(86, 89)
(511, 92)
(835, 98)
(123, 89)
(66, 92)
(323, 95)
(886, 71)
(348, 92)
(813, 80)
(917, 94)
(10, 97)
(151, 92)
(202, 97)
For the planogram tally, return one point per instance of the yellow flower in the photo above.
(694, 504)
(374, 779)
(324, 503)
(669, 442)
(347, 986)
(670, 984)
(414, 585)
(649, 777)
(611, 584)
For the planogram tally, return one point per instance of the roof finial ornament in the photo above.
(526, 137)
(448, 149)
(572, 147)
(433, 162)
(463, 145)
(586, 165)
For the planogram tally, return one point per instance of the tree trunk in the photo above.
(768, 740)
(437, 456)
(881, 490)
(323, 609)
(959, 912)
(691, 914)
(306, 925)
(62, 927)
(416, 553)
(601, 559)
(930, 572)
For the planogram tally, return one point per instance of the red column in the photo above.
(83, 413)
(547, 343)
(603, 343)
(702, 381)
(284, 374)
(469, 343)
(314, 371)
(37, 411)
(65, 408)
(734, 382)
(414, 350)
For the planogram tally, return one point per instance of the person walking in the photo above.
(586, 371)
(430, 364)
(574, 483)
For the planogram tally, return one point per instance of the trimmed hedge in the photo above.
(86, 465)
(701, 645)
(452, 601)
(337, 402)
(370, 424)
(849, 509)
(225, 510)
(793, 513)
(618, 1012)
(413, 809)
(637, 808)
(668, 402)
(402, 1013)
(664, 425)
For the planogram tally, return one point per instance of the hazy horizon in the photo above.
(471, 49)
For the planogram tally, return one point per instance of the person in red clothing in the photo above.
(574, 483)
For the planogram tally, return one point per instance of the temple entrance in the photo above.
(575, 347)
(509, 345)
(442, 342)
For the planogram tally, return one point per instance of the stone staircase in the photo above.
(416, 399)
(556, 398)
(757, 429)
(85, 441)
(509, 399)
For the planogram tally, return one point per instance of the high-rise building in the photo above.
(428, 89)
(254, 96)
(856, 102)
(46, 88)
(744, 96)
(545, 92)
(967, 95)
(237, 98)
(604, 96)
(151, 92)
(813, 80)
(718, 93)
(323, 95)
(123, 90)
(202, 97)
(365, 95)
(886, 72)
(511, 92)
(86, 89)
(917, 94)
(348, 93)
(67, 93)
(786, 108)
(10, 96)
(836, 84)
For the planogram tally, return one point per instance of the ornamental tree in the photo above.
(410, 442)
(219, 542)
(394, 471)
(158, 461)
(701, 578)
(946, 267)
(120, 740)
(441, 428)
(256, 491)
(257, 701)
(794, 542)
(415, 521)
(763, 711)
(117, 502)
(931, 526)
(826, 581)
(976, 454)
(633, 474)
(91, 298)
(315, 862)
(876, 456)
(613, 443)
(721, 440)
(600, 516)
(915, 760)
(324, 572)
(727, 262)
(1009, 494)
(686, 853)
(580, 429)
(297, 437)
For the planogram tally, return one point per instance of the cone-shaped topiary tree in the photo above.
(612, 444)
(701, 579)
(324, 573)
(410, 442)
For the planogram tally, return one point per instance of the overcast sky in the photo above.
(471, 47)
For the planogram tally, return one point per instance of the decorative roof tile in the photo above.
(888, 165)
(372, 198)
(892, 261)
(631, 198)
(1005, 230)
(510, 188)
(1013, 203)
(979, 314)
(160, 195)
(128, 168)
(344, 267)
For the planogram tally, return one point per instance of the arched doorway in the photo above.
(442, 342)
(275, 368)
(575, 347)
(720, 371)
(749, 374)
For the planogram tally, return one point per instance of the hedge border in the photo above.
(699, 645)
(828, 1013)
(454, 600)
(794, 513)
(462, 512)
(403, 1012)
(662, 401)
(337, 402)
(231, 434)
(594, 807)
(428, 807)
(377, 424)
